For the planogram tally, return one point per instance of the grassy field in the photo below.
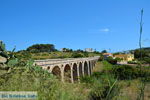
(100, 86)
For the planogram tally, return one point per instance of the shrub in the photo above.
(86, 79)
(76, 55)
(147, 60)
(123, 72)
(12, 62)
(132, 62)
(104, 87)
(101, 58)
(111, 60)
(97, 74)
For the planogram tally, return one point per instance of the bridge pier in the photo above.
(78, 72)
(62, 76)
(72, 81)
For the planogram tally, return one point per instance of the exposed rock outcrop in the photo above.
(2, 60)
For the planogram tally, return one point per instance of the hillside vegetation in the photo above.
(53, 55)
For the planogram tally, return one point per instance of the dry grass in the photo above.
(147, 92)
(98, 67)
(130, 89)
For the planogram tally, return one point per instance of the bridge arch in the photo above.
(75, 72)
(48, 68)
(56, 71)
(80, 70)
(67, 73)
(85, 68)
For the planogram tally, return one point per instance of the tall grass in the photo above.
(33, 78)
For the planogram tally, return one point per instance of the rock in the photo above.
(3, 60)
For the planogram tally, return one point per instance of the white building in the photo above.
(89, 50)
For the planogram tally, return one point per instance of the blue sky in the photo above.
(76, 24)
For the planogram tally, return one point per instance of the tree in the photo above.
(145, 53)
(104, 51)
(147, 60)
(41, 48)
(76, 55)
(66, 50)
(79, 50)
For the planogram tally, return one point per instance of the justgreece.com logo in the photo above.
(18, 95)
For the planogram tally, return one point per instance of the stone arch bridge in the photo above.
(70, 69)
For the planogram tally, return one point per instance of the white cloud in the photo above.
(105, 30)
